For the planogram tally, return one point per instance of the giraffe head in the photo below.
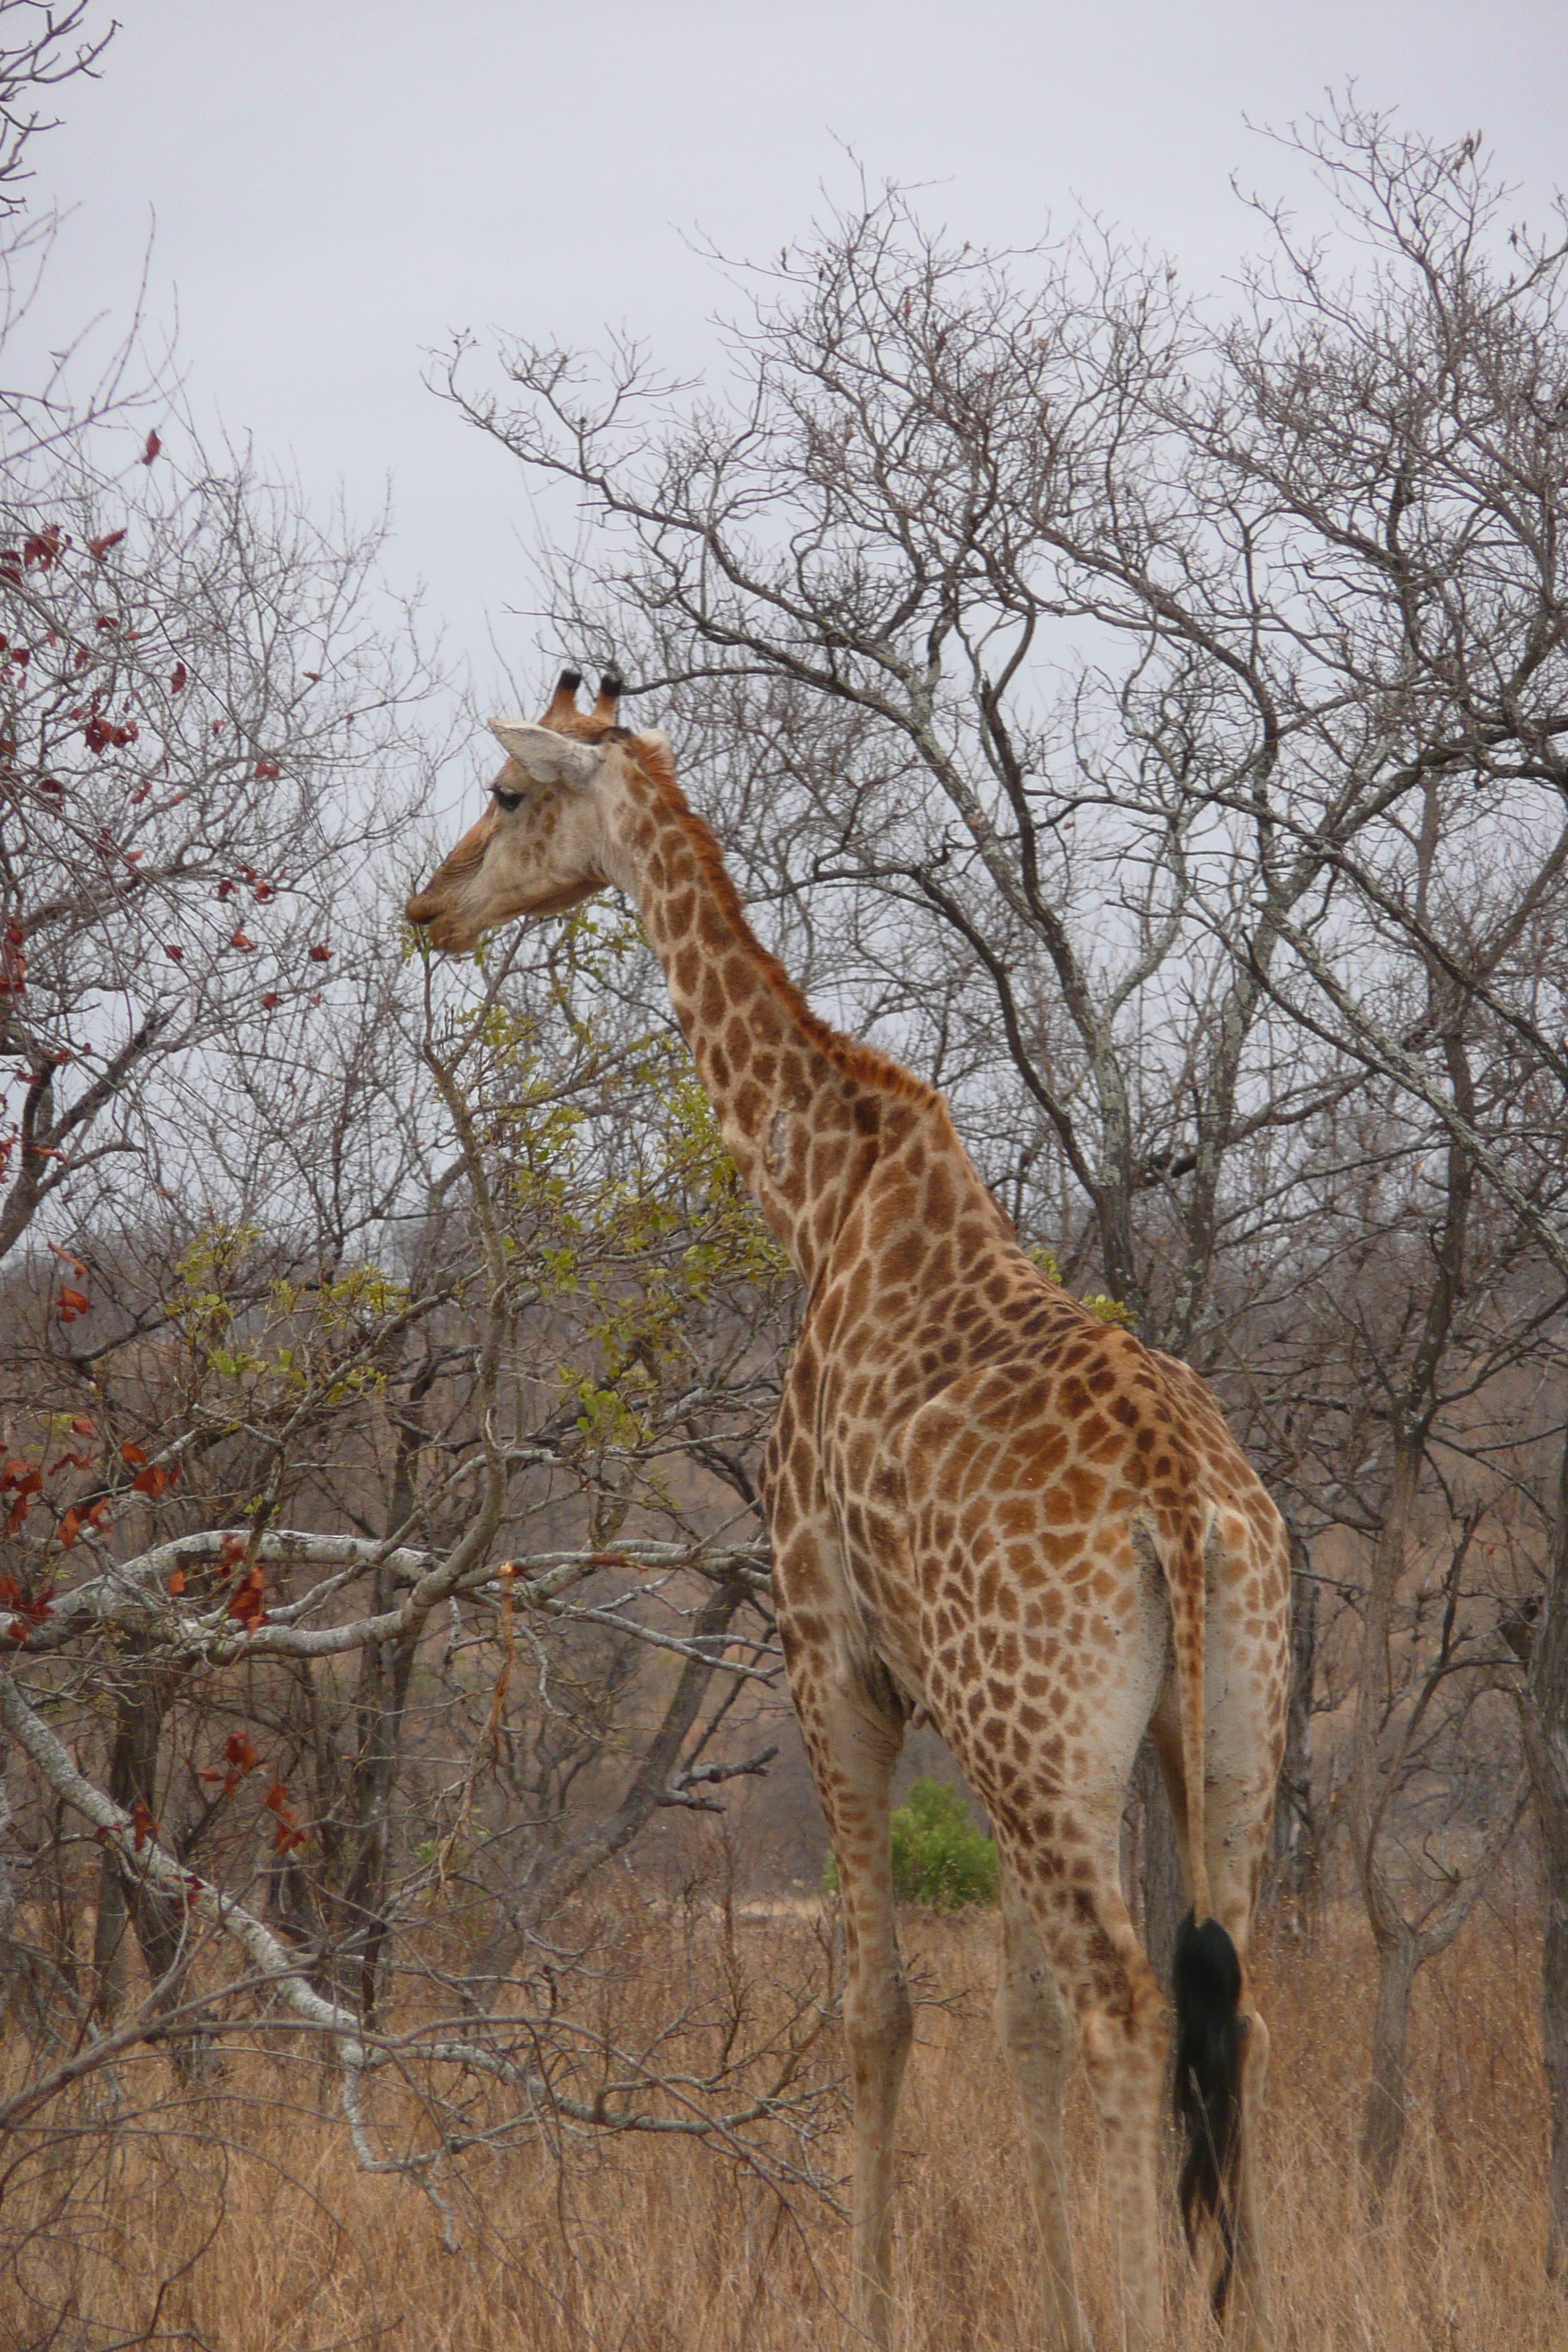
(542, 844)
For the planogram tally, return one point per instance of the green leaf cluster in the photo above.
(939, 1858)
(623, 1206)
(276, 1336)
(1110, 1310)
(1099, 1302)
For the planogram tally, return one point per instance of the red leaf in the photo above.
(174, 951)
(176, 1585)
(99, 548)
(150, 1481)
(80, 1423)
(225, 889)
(266, 768)
(132, 1454)
(269, 1001)
(264, 891)
(238, 1751)
(247, 1604)
(71, 1304)
(240, 941)
(76, 1266)
(68, 1529)
(29, 1611)
(277, 1801)
(143, 1824)
(178, 679)
(150, 451)
(320, 954)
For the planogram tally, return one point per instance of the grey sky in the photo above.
(337, 184)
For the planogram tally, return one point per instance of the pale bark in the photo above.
(1162, 1899)
(1293, 1861)
(1383, 2113)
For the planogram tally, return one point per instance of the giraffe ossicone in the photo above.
(985, 1506)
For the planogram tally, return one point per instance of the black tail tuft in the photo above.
(1206, 1978)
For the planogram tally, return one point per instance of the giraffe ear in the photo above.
(547, 757)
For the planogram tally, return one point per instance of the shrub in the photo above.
(938, 1856)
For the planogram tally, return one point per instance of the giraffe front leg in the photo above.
(853, 1748)
(854, 1727)
(1037, 2035)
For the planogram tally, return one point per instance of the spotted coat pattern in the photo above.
(986, 1504)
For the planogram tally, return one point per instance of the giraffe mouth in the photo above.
(440, 926)
(451, 933)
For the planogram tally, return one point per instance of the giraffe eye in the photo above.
(508, 801)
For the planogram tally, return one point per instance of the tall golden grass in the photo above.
(142, 2215)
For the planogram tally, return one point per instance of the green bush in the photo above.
(938, 1856)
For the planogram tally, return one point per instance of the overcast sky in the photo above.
(332, 187)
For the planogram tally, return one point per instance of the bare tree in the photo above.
(377, 1401)
(406, 1554)
(1133, 657)
(41, 48)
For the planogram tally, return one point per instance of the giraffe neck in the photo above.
(804, 1111)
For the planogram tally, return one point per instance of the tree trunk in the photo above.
(141, 1704)
(1293, 1862)
(132, 1782)
(1546, 1748)
(1163, 1899)
(1383, 2120)
(652, 1778)
(109, 1953)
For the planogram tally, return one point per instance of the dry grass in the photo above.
(241, 2224)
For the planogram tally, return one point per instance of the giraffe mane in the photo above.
(866, 1064)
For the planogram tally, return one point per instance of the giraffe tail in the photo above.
(1205, 1976)
(1206, 1982)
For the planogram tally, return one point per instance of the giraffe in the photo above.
(984, 1504)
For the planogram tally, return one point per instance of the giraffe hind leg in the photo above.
(1226, 2034)
(1037, 2034)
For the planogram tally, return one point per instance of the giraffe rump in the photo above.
(1205, 1979)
